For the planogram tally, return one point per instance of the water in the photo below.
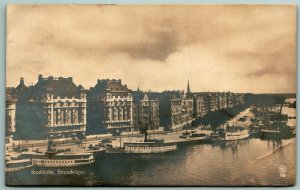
(251, 162)
(248, 162)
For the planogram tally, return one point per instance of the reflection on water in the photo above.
(245, 162)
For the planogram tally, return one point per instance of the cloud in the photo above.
(158, 46)
(217, 47)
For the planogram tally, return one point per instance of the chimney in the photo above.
(40, 77)
(21, 80)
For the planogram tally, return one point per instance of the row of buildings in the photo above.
(56, 107)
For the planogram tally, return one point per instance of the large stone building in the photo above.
(238, 99)
(146, 110)
(176, 109)
(170, 108)
(187, 108)
(149, 113)
(200, 108)
(110, 107)
(229, 100)
(10, 117)
(52, 108)
(211, 100)
(176, 112)
(222, 101)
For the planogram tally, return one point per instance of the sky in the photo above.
(238, 48)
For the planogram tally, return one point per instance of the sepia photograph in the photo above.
(150, 95)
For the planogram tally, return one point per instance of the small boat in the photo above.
(212, 137)
(254, 131)
(17, 165)
(185, 135)
(109, 148)
(152, 146)
(198, 135)
(95, 148)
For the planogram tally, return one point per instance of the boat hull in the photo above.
(59, 163)
(267, 134)
(235, 137)
(149, 149)
(16, 169)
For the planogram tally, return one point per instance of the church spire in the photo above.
(188, 90)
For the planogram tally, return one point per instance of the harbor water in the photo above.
(253, 162)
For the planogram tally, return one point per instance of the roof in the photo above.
(62, 87)
(113, 86)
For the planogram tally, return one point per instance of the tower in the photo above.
(188, 91)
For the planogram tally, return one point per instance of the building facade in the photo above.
(187, 109)
(170, 108)
(238, 99)
(222, 101)
(229, 100)
(176, 112)
(66, 116)
(110, 107)
(211, 100)
(10, 118)
(149, 113)
(52, 108)
(199, 106)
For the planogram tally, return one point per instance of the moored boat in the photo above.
(63, 159)
(274, 130)
(95, 148)
(233, 133)
(153, 146)
(17, 165)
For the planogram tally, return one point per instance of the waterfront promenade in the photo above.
(75, 145)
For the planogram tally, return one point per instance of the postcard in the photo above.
(150, 95)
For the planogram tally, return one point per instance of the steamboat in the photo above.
(231, 133)
(151, 146)
(63, 160)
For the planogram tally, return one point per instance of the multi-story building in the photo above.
(176, 112)
(176, 109)
(211, 100)
(19, 89)
(222, 101)
(110, 107)
(199, 106)
(52, 108)
(10, 118)
(229, 100)
(186, 108)
(149, 113)
(238, 99)
(170, 108)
